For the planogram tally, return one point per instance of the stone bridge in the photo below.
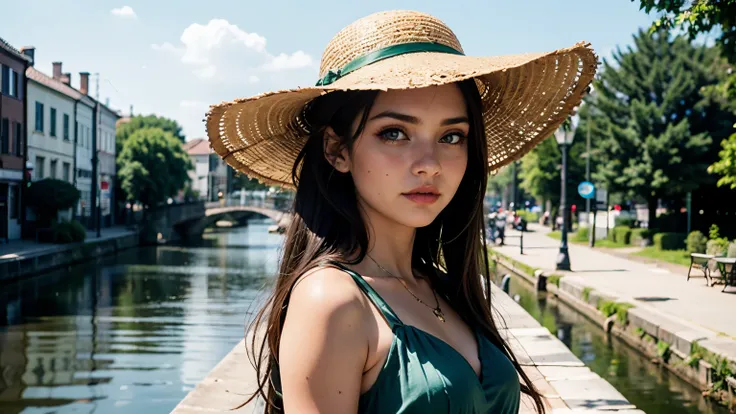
(235, 209)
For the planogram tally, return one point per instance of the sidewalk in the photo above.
(27, 248)
(644, 285)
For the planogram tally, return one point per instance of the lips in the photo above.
(426, 194)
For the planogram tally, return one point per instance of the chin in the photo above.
(415, 218)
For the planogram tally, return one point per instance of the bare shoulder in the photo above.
(324, 344)
(327, 290)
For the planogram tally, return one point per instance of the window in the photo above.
(13, 83)
(52, 127)
(39, 116)
(18, 147)
(5, 136)
(14, 202)
(65, 171)
(77, 132)
(40, 164)
(66, 127)
(5, 76)
(52, 168)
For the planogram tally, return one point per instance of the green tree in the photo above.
(726, 166)
(154, 166)
(126, 129)
(654, 127)
(242, 181)
(696, 17)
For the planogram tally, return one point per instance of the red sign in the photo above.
(104, 185)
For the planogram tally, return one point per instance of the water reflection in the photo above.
(650, 387)
(134, 332)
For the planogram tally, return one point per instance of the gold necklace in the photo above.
(437, 311)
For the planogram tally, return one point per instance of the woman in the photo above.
(382, 301)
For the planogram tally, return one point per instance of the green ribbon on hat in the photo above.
(385, 53)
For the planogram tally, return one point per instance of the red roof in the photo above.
(49, 82)
(197, 146)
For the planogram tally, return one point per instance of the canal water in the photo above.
(135, 332)
(650, 387)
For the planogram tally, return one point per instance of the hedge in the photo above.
(622, 234)
(696, 242)
(640, 235)
(669, 241)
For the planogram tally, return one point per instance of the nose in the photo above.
(427, 162)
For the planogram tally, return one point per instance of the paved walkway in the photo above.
(645, 285)
(25, 248)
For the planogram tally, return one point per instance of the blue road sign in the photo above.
(586, 189)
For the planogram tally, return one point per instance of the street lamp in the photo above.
(564, 136)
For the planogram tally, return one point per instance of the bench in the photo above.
(700, 262)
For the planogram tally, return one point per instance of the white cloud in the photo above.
(222, 51)
(125, 12)
(283, 61)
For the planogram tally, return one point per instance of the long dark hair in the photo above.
(327, 226)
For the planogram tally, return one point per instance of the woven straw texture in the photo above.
(525, 97)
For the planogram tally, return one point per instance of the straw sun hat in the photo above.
(525, 97)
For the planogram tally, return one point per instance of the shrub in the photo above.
(696, 242)
(663, 350)
(622, 312)
(622, 234)
(554, 279)
(69, 232)
(582, 234)
(731, 250)
(586, 293)
(607, 307)
(528, 216)
(669, 241)
(624, 221)
(48, 196)
(717, 247)
(714, 232)
(640, 236)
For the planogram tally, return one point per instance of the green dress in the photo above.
(425, 375)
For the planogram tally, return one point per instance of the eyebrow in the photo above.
(414, 120)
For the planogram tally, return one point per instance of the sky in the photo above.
(174, 58)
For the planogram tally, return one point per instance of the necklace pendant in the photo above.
(438, 313)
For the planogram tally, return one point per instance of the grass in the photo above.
(516, 264)
(680, 257)
(557, 235)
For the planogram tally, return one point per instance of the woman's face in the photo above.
(411, 156)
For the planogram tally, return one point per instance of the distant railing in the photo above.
(275, 202)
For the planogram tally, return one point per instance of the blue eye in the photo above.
(453, 138)
(392, 134)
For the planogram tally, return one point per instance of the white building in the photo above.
(106, 169)
(51, 116)
(85, 124)
(209, 176)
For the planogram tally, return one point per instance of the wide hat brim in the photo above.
(525, 99)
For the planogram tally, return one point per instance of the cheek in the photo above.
(454, 165)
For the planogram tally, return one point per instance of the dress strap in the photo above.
(371, 293)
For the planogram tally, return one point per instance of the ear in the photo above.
(336, 153)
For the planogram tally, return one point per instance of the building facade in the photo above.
(13, 66)
(106, 172)
(210, 175)
(84, 127)
(51, 114)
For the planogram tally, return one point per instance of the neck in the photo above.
(390, 246)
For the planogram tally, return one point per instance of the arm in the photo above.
(324, 345)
